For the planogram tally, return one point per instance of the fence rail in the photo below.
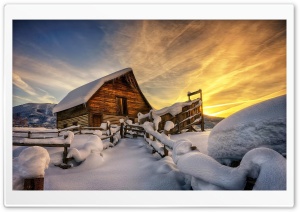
(65, 146)
(135, 131)
(191, 114)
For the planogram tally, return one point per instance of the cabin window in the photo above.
(75, 123)
(121, 106)
(65, 125)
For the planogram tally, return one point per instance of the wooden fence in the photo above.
(76, 130)
(190, 115)
(133, 130)
(65, 146)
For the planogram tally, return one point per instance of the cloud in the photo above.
(235, 63)
(231, 61)
(17, 81)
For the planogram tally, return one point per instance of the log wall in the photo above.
(72, 112)
(112, 119)
(104, 100)
(81, 120)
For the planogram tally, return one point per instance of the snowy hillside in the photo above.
(34, 115)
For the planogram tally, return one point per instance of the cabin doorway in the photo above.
(121, 106)
(96, 120)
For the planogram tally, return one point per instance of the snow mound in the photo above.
(206, 171)
(261, 125)
(93, 145)
(32, 162)
(265, 165)
(169, 125)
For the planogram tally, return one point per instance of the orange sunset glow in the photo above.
(236, 63)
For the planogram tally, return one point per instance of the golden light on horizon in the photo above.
(236, 63)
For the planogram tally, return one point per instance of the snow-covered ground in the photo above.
(255, 135)
(130, 165)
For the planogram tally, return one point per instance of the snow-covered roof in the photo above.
(83, 93)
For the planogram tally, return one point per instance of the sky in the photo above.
(236, 63)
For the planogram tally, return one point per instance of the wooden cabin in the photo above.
(109, 98)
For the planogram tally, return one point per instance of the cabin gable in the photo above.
(116, 99)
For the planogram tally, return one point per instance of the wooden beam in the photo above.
(42, 145)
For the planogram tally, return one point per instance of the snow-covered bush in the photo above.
(261, 125)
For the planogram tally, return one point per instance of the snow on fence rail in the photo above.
(32, 134)
(64, 142)
(160, 142)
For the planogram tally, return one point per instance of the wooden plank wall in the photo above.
(82, 120)
(180, 119)
(72, 112)
(104, 100)
(112, 119)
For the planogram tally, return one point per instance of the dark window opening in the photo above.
(121, 106)
(65, 125)
(75, 123)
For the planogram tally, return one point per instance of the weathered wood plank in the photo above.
(104, 100)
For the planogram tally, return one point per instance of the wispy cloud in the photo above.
(235, 63)
(231, 61)
(17, 81)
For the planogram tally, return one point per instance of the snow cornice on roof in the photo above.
(83, 93)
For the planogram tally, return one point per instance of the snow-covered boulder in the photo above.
(260, 125)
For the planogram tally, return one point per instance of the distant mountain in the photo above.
(34, 115)
(211, 121)
(41, 115)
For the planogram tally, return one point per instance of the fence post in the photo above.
(122, 130)
(125, 130)
(34, 184)
(108, 127)
(166, 132)
(29, 133)
(201, 111)
(65, 153)
(166, 152)
(79, 128)
(111, 138)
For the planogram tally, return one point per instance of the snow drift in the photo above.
(261, 125)
(93, 145)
